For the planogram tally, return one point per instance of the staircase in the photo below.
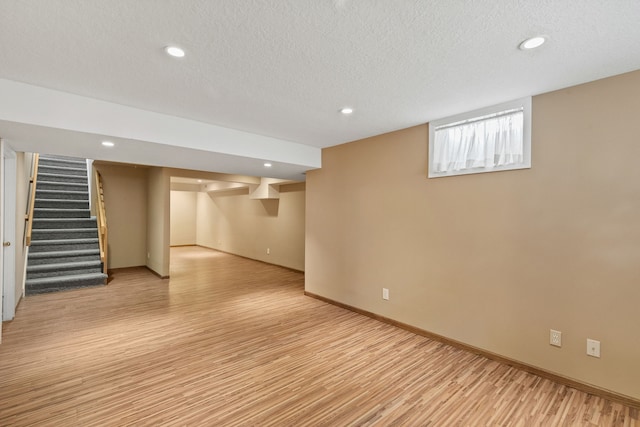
(64, 252)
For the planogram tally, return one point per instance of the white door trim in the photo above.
(1, 233)
(8, 225)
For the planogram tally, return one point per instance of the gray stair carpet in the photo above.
(64, 252)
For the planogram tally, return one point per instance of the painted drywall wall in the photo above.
(496, 260)
(158, 226)
(125, 198)
(183, 218)
(232, 222)
(24, 166)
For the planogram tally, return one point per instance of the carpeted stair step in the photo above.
(40, 223)
(61, 283)
(63, 269)
(63, 186)
(59, 233)
(51, 177)
(61, 213)
(61, 194)
(62, 245)
(61, 204)
(72, 162)
(62, 170)
(61, 257)
(64, 252)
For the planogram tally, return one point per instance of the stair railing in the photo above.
(32, 198)
(101, 216)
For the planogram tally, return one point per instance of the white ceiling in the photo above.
(283, 69)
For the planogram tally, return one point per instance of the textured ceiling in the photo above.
(284, 68)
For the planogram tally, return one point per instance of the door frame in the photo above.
(8, 230)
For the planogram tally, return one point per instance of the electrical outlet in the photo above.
(268, 251)
(593, 347)
(555, 338)
(385, 293)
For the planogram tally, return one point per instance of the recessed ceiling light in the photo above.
(346, 110)
(267, 165)
(199, 180)
(108, 143)
(532, 43)
(174, 51)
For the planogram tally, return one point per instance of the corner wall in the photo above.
(496, 260)
(24, 166)
(158, 198)
(125, 196)
(183, 218)
(232, 222)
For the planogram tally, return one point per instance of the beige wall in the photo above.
(496, 260)
(231, 222)
(183, 218)
(145, 217)
(24, 166)
(158, 227)
(125, 196)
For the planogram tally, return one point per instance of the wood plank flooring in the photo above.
(233, 342)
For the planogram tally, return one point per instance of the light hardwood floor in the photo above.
(232, 342)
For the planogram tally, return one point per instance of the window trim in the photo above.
(524, 103)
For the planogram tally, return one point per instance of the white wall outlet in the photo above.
(593, 347)
(555, 338)
(268, 251)
(148, 255)
(385, 293)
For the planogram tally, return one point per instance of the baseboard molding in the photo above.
(570, 382)
(112, 271)
(119, 269)
(15, 312)
(252, 259)
(155, 273)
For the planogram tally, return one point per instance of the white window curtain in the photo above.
(485, 142)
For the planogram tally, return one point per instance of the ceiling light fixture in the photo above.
(267, 165)
(346, 110)
(108, 144)
(199, 180)
(174, 51)
(532, 43)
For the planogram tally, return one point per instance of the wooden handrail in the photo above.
(102, 221)
(32, 198)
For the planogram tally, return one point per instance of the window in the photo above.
(491, 139)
